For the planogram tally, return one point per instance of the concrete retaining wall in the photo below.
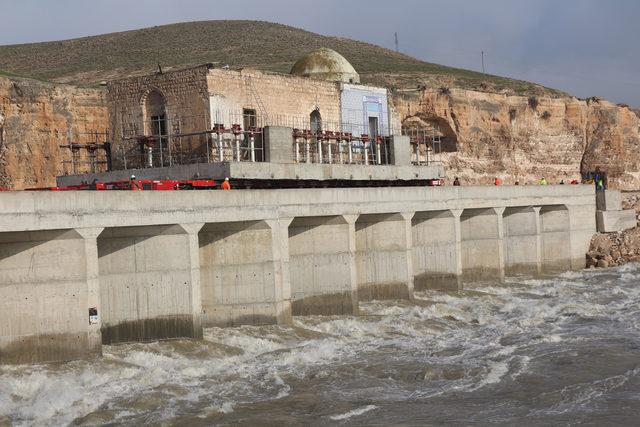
(81, 268)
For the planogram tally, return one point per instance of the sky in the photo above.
(584, 47)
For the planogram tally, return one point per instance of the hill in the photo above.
(256, 44)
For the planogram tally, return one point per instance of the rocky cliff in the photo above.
(484, 134)
(524, 138)
(36, 118)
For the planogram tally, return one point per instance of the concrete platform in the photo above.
(123, 266)
(266, 171)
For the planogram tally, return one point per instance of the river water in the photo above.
(561, 350)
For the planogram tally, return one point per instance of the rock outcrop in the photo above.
(484, 134)
(518, 138)
(39, 117)
(613, 249)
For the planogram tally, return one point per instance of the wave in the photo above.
(488, 338)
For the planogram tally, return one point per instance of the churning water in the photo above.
(563, 350)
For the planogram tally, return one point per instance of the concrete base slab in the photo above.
(609, 200)
(387, 291)
(46, 348)
(613, 221)
(265, 171)
(521, 270)
(437, 282)
(481, 274)
(337, 304)
(146, 330)
(244, 314)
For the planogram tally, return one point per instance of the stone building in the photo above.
(174, 113)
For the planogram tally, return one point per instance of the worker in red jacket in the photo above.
(226, 185)
(497, 181)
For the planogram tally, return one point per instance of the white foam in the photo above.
(485, 332)
(353, 413)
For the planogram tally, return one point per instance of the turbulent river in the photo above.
(561, 350)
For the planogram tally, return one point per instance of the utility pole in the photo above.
(483, 62)
(397, 45)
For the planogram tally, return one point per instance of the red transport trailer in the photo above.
(138, 185)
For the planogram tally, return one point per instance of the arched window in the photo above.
(316, 121)
(155, 114)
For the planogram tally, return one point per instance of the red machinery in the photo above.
(138, 185)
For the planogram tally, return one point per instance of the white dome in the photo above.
(326, 64)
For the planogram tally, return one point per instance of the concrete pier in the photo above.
(322, 266)
(383, 256)
(239, 274)
(81, 269)
(521, 240)
(146, 284)
(436, 250)
(482, 244)
(556, 238)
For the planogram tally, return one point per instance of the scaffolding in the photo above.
(426, 144)
(330, 147)
(86, 152)
(232, 136)
(163, 142)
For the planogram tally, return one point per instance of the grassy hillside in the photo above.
(262, 45)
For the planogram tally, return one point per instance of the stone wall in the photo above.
(38, 117)
(287, 100)
(518, 138)
(186, 108)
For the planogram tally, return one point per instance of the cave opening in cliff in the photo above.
(434, 132)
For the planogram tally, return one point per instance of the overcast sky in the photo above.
(585, 47)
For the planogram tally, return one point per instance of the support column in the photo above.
(538, 240)
(435, 250)
(90, 236)
(322, 265)
(500, 218)
(196, 288)
(383, 256)
(280, 239)
(457, 214)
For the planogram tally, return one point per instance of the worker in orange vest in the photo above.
(497, 181)
(226, 185)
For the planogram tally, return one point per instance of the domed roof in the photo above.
(326, 64)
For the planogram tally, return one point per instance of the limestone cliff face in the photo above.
(36, 119)
(520, 138)
(485, 135)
